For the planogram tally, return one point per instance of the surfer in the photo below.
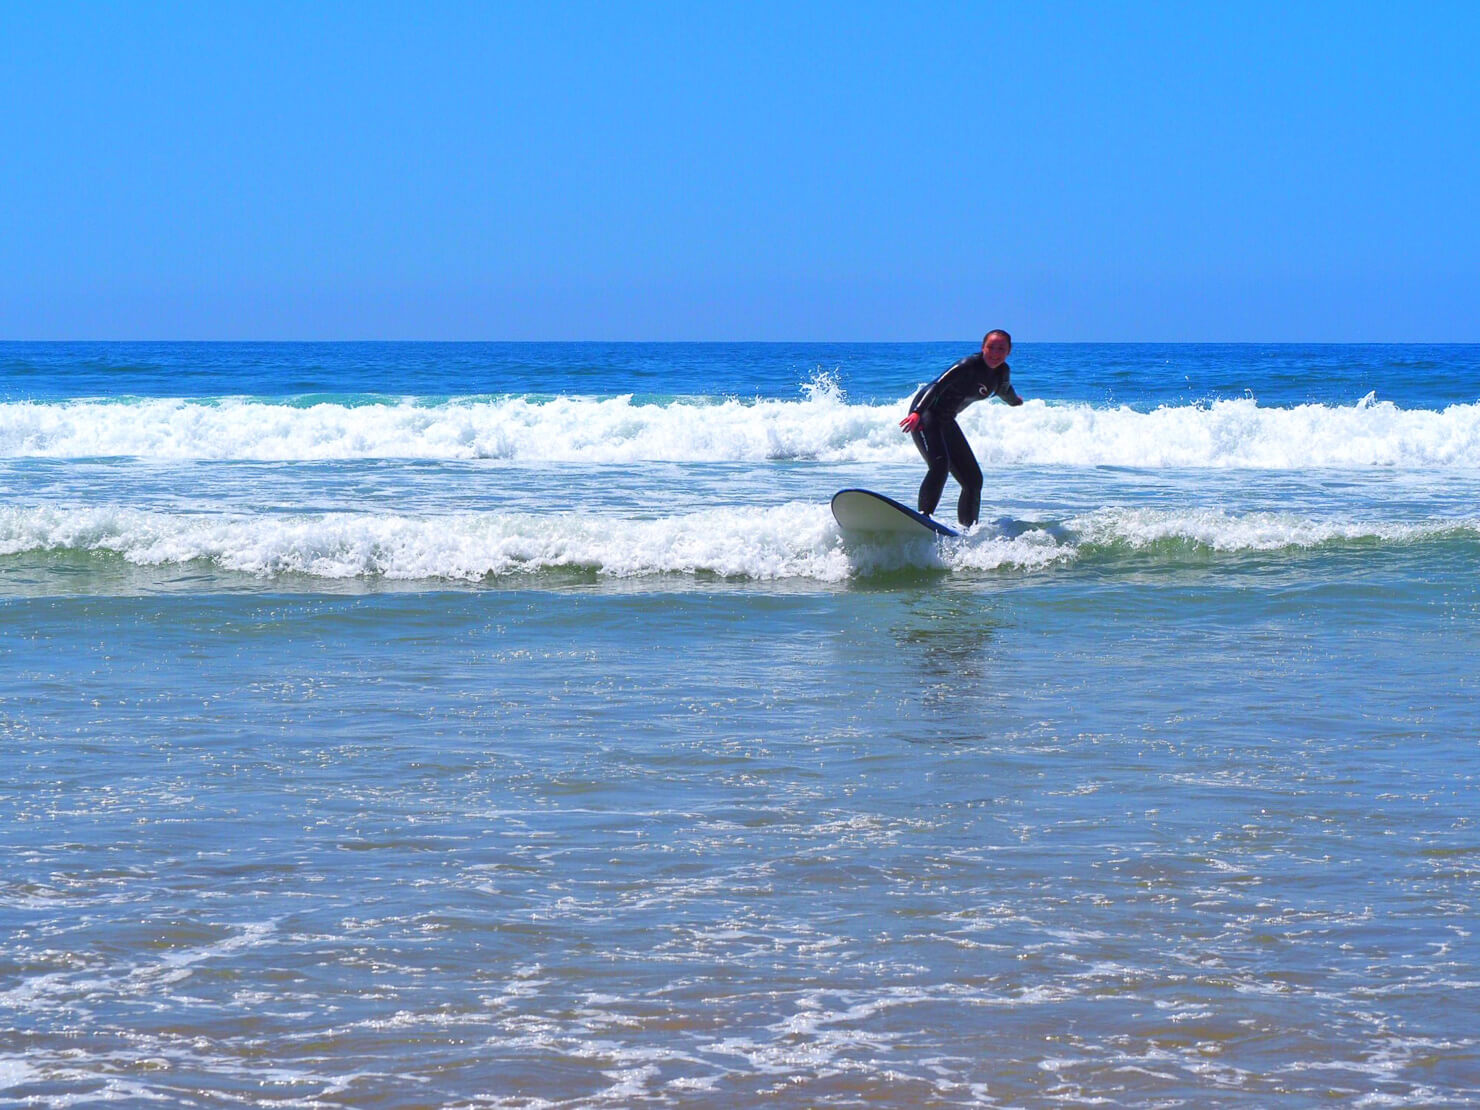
(931, 423)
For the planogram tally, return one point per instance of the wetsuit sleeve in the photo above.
(1006, 392)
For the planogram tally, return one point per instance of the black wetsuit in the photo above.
(939, 438)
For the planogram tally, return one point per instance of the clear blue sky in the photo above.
(793, 170)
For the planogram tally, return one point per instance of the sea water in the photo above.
(510, 725)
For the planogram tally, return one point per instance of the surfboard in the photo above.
(863, 510)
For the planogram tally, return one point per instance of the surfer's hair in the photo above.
(998, 331)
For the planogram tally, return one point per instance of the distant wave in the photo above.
(821, 426)
(797, 540)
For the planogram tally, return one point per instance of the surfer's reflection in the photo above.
(946, 641)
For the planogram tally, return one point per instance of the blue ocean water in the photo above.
(393, 725)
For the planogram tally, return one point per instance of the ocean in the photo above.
(510, 725)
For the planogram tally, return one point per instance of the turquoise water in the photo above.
(510, 725)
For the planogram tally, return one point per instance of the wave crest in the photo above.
(822, 426)
(797, 540)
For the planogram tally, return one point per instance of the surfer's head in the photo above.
(996, 346)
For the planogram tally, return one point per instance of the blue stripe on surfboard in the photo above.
(863, 510)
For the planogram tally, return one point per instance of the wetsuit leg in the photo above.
(932, 447)
(945, 450)
(965, 470)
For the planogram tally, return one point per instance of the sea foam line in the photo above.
(821, 426)
(798, 540)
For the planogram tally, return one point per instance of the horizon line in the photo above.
(793, 342)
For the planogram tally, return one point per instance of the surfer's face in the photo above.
(995, 349)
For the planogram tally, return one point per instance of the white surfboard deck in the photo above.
(863, 510)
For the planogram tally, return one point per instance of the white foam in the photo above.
(796, 540)
(47, 990)
(14, 1072)
(790, 541)
(1219, 530)
(583, 429)
(822, 426)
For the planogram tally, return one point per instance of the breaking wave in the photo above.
(821, 426)
(797, 540)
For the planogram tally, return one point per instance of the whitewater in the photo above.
(488, 488)
(794, 540)
(822, 427)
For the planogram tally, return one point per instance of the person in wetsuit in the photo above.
(931, 423)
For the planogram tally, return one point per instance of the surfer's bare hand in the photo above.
(910, 422)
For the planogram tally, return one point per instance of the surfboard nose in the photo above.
(863, 510)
